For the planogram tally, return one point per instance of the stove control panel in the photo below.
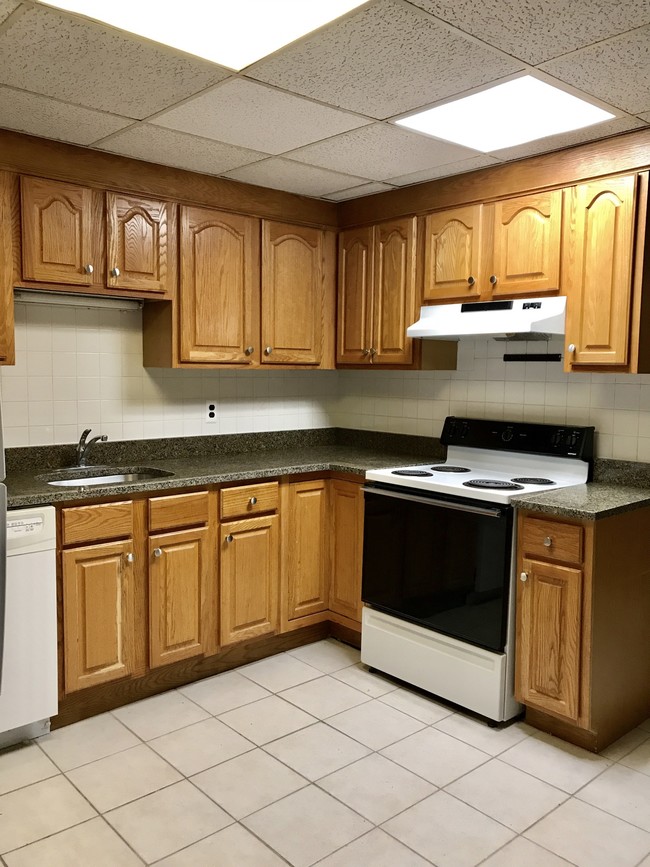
(542, 439)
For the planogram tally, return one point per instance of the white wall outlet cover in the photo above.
(211, 411)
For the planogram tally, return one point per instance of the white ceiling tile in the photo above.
(444, 171)
(645, 116)
(49, 118)
(356, 192)
(294, 177)
(384, 60)
(381, 151)
(567, 139)
(537, 30)
(157, 145)
(88, 64)
(7, 7)
(253, 115)
(616, 71)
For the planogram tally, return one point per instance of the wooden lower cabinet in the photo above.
(549, 653)
(305, 554)
(181, 622)
(583, 608)
(250, 578)
(98, 614)
(346, 539)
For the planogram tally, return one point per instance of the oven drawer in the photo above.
(552, 539)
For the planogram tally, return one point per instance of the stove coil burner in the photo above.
(411, 473)
(494, 484)
(445, 468)
(533, 480)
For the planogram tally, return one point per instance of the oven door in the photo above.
(441, 562)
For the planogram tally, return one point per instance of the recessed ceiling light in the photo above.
(509, 114)
(233, 34)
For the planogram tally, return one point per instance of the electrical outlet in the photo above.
(211, 411)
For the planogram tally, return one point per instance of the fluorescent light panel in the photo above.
(233, 34)
(509, 114)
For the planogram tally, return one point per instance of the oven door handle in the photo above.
(430, 501)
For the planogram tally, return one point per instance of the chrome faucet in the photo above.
(84, 444)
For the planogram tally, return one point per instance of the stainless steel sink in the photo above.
(83, 477)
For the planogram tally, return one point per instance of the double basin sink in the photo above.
(83, 477)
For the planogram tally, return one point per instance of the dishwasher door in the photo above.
(29, 666)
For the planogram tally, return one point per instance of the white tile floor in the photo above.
(308, 758)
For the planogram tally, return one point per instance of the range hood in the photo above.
(519, 319)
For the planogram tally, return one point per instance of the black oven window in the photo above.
(444, 569)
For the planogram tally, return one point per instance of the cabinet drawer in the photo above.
(552, 539)
(249, 500)
(181, 510)
(94, 523)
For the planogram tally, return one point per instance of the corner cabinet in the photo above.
(503, 249)
(377, 293)
(583, 604)
(604, 222)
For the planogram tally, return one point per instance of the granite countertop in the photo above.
(196, 470)
(618, 486)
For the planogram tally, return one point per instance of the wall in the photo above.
(78, 368)
(484, 386)
(81, 368)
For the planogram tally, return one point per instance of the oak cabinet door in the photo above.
(346, 510)
(7, 182)
(597, 271)
(305, 551)
(219, 287)
(250, 578)
(292, 294)
(526, 246)
(138, 244)
(356, 263)
(57, 229)
(180, 568)
(549, 629)
(394, 291)
(98, 614)
(452, 254)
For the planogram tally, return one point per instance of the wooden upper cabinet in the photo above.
(549, 630)
(292, 294)
(98, 614)
(355, 291)
(452, 251)
(394, 307)
(139, 245)
(526, 244)
(57, 232)
(597, 271)
(219, 287)
(180, 569)
(7, 186)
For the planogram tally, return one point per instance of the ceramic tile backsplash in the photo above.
(78, 368)
(484, 386)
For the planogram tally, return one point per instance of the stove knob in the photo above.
(507, 435)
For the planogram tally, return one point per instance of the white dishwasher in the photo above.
(29, 695)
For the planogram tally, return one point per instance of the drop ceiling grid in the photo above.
(312, 117)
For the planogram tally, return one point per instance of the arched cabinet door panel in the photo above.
(452, 254)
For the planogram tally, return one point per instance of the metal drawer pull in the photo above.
(157, 552)
(230, 538)
(548, 542)
(523, 576)
(115, 272)
(253, 501)
(130, 558)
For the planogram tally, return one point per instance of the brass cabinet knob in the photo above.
(253, 501)
(548, 542)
